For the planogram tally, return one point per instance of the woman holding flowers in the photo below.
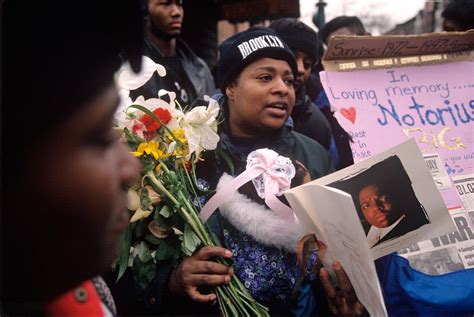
(256, 72)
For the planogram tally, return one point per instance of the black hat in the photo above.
(245, 47)
(297, 35)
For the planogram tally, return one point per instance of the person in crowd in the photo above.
(303, 41)
(341, 152)
(187, 74)
(64, 168)
(458, 16)
(257, 82)
(342, 25)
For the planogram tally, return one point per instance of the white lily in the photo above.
(129, 80)
(126, 79)
(171, 95)
(122, 115)
(200, 128)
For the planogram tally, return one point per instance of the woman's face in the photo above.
(77, 181)
(376, 207)
(304, 63)
(261, 99)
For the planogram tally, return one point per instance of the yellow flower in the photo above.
(140, 214)
(179, 134)
(133, 200)
(150, 148)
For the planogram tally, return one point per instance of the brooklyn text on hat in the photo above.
(248, 47)
(243, 48)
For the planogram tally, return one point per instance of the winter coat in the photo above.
(195, 70)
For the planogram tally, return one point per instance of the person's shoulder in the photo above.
(306, 141)
(312, 154)
(187, 51)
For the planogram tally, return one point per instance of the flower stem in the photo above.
(155, 182)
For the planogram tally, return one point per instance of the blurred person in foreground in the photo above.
(65, 170)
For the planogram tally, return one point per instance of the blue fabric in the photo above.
(409, 292)
(334, 152)
(322, 100)
(268, 273)
(306, 302)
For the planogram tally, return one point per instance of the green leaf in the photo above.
(141, 228)
(143, 252)
(148, 163)
(165, 211)
(143, 273)
(145, 200)
(167, 249)
(133, 140)
(165, 223)
(124, 251)
(190, 241)
(227, 159)
(152, 239)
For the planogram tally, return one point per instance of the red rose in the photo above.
(151, 124)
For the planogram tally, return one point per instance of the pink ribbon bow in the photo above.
(271, 175)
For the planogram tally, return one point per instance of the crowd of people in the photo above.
(66, 173)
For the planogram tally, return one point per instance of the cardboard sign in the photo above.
(389, 96)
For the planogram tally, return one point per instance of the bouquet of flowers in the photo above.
(165, 204)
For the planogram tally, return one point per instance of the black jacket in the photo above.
(195, 70)
(310, 121)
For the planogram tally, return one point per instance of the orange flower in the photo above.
(151, 124)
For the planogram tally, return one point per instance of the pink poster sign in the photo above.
(433, 104)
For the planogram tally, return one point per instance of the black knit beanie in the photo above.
(243, 48)
(298, 36)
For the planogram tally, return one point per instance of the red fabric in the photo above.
(68, 304)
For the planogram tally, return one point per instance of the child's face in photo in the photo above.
(78, 179)
(262, 98)
(375, 206)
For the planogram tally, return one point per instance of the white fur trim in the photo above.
(259, 222)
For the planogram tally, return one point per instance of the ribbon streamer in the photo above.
(262, 161)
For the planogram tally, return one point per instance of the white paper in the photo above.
(438, 171)
(332, 215)
(465, 188)
(423, 187)
(444, 254)
(346, 242)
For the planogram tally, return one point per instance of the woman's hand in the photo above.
(343, 302)
(199, 270)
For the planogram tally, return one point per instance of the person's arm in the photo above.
(200, 270)
(344, 301)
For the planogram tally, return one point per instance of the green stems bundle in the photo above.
(233, 298)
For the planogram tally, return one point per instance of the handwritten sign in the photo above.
(343, 47)
(433, 104)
